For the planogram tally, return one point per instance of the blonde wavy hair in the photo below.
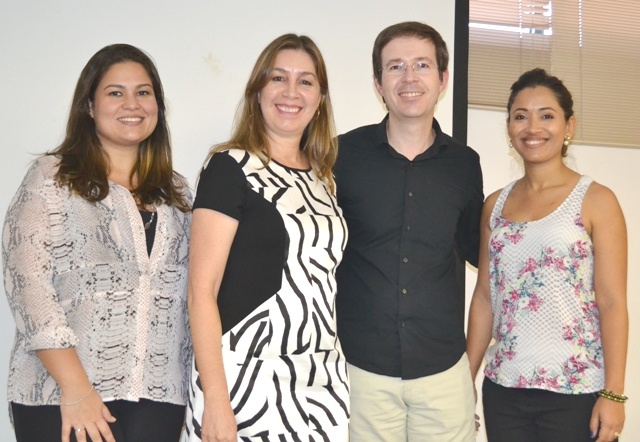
(249, 133)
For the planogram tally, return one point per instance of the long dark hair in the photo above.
(84, 165)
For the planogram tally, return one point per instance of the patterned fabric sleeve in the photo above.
(222, 186)
(32, 237)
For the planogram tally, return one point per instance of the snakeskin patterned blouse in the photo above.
(77, 274)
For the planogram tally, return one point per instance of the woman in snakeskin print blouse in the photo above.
(95, 247)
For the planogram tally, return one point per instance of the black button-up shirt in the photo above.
(400, 301)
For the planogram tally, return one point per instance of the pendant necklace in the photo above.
(148, 223)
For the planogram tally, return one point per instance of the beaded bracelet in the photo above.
(69, 404)
(607, 394)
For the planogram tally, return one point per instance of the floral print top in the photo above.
(545, 319)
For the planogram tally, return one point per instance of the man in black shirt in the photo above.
(412, 198)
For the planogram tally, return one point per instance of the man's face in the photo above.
(410, 93)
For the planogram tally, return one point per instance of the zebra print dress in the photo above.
(285, 368)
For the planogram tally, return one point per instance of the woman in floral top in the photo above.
(551, 287)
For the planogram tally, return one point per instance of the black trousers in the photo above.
(534, 415)
(144, 421)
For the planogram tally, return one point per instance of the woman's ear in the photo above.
(571, 126)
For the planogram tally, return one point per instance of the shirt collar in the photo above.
(439, 143)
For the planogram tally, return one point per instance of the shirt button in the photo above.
(405, 259)
(404, 291)
(408, 227)
(410, 193)
(402, 324)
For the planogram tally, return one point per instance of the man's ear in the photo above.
(444, 81)
(378, 87)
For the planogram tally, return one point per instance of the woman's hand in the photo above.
(88, 418)
(81, 407)
(219, 424)
(607, 419)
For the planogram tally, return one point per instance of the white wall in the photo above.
(204, 50)
(616, 168)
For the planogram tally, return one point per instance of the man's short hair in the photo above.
(409, 29)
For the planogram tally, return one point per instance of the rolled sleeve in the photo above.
(33, 235)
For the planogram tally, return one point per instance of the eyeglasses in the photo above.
(399, 68)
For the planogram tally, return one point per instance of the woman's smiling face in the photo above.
(292, 95)
(124, 106)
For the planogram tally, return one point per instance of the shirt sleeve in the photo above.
(222, 186)
(32, 237)
(468, 232)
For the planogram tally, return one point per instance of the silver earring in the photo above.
(510, 144)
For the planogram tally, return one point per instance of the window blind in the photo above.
(591, 45)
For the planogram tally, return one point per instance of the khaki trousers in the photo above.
(438, 408)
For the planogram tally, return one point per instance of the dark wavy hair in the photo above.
(84, 165)
(319, 139)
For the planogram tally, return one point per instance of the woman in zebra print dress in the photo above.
(267, 236)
